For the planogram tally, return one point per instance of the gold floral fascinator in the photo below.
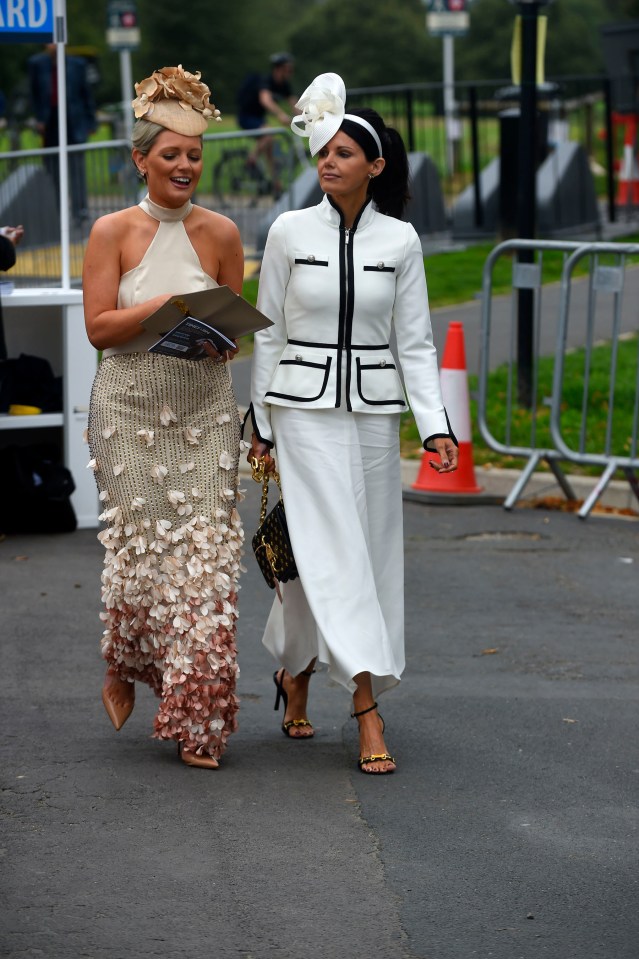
(323, 111)
(176, 99)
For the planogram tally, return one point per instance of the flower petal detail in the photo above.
(187, 467)
(109, 431)
(192, 435)
(167, 415)
(223, 418)
(158, 472)
(118, 468)
(176, 497)
(226, 463)
(148, 436)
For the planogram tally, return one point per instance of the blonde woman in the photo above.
(164, 435)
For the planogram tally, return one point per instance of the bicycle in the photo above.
(241, 180)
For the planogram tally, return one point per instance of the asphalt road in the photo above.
(508, 831)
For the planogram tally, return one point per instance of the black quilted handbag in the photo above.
(271, 543)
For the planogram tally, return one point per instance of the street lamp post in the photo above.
(526, 189)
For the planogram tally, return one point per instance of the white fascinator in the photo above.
(323, 105)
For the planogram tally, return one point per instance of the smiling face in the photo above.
(343, 168)
(173, 167)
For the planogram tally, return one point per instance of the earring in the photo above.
(371, 176)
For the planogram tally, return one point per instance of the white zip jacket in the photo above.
(333, 295)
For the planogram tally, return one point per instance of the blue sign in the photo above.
(26, 21)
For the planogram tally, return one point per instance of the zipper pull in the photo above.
(347, 235)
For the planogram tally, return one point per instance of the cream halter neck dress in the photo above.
(164, 435)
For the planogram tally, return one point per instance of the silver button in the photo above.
(380, 265)
(298, 356)
(382, 362)
(310, 258)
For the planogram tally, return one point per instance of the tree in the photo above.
(573, 43)
(368, 44)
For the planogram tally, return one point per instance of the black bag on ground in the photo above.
(34, 491)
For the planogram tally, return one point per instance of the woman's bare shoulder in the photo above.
(115, 225)
(217, 224)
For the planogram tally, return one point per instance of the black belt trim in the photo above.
(335, 346)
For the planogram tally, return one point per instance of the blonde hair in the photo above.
(144, 135)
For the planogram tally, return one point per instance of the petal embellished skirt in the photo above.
(164, 436)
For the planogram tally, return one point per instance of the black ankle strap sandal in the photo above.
(278, 679)
(382, 757)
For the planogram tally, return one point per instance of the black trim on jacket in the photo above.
(251, 412)
(436, 436)
(375, 366)
(346, 299)
(304, 399)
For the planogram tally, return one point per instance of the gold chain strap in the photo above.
(261, 476)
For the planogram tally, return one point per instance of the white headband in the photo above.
(323, 109)
(367, 126)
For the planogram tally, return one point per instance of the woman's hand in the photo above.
(13, 233)
(217, 356)
(448, 454)
(260, 451)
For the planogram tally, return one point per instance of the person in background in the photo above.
(336, 280)
(164, 435)
(81, 119)
(10, 236)
(263, 94)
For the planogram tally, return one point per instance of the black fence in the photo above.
(463, 141)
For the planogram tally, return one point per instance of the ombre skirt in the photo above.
(164, 435)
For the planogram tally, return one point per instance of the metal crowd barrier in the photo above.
(102, 180)
(527, 278)
(606, 281)
(558, 318)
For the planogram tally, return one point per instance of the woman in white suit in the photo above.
(335, 280)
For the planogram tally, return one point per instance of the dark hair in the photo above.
(390, 188)
(279, 59)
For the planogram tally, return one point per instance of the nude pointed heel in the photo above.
(190, 758)
(118, 713)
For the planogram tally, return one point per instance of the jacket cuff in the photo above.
(435, 436)
(251, 412)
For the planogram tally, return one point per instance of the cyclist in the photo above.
(260, 95)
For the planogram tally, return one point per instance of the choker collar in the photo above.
(165, 214)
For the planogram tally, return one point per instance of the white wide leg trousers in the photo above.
(341, 484)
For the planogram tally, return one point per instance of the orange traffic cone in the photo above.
(454, 381)
(628, 186)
